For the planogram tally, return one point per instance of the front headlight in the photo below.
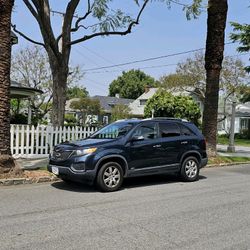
(86, 151)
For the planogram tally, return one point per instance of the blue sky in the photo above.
(160, 32)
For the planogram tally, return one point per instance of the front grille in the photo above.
(61, 155)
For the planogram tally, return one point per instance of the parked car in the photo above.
(132, 148)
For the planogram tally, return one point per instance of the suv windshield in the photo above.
(113, 131)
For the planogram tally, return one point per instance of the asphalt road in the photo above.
(148, 213)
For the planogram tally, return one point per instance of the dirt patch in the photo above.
(35, 174)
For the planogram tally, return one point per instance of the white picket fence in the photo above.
(35, 142)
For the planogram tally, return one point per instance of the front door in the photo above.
(145, 153)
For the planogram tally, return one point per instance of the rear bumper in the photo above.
(204, 162)
(67, 173)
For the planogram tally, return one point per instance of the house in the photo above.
(138, 105)
(106, 102)
(242, 116)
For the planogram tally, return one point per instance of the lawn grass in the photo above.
(238, 142)
(227, 159)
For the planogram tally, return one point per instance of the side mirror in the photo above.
(137, 138)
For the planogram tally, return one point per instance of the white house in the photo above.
(242, 118)
(138, 105)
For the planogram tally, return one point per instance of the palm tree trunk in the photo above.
(6, 160)
(216, 23)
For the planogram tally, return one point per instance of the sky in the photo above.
(161, 31)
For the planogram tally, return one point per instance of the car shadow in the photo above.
(153, 180)
(74, 187)
(133, 182)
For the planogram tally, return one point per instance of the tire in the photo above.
(190, 169)
(110, 177)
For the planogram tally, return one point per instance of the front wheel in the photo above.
(190, 169)
(110, 177)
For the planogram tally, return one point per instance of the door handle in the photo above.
(157, 146)
(184, 142)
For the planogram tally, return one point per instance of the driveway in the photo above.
(148, 213)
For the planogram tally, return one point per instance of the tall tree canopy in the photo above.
(216, 24)
(95, 18)
(131, 84)
(75, 29)
(190, 76)
(242, 35)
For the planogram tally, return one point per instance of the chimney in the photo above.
(117, 95)
(146, 89)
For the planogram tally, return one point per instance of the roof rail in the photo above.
(166, 118)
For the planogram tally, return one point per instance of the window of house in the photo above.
(169, 129)
(244, 123)
(143, 102)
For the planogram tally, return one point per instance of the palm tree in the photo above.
(216, 23)
(6, 160)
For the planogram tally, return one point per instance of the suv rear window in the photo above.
(186, 131)
(168, 129)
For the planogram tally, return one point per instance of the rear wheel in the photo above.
(110, 177)
(190, 169)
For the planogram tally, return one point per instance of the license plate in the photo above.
(55, 170)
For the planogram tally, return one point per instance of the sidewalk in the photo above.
(32, 164)
(240, 151)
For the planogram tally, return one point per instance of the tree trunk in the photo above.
(216, 23)
(6, 160)
(59, 74)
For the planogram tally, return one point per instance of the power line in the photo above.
(151, 67)
(148, 59)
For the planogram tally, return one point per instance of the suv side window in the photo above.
(147, 130)
(186, 131)
(168, 129)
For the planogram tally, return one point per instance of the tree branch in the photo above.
(26, 37)
(77, 23)
(122, 33)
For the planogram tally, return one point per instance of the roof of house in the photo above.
(138, 109)
(242, 109)
(107, 102)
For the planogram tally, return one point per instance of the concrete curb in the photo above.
(227, 164)
(18, 181)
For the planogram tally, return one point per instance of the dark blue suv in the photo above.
(130, 148)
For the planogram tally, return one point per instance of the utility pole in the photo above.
(231, 147)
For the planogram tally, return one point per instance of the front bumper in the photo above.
(67, 173)
(204, 162)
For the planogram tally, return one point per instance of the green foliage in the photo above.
(19, 119)
(246, 96)
(192, 10)
(165, 104)
(242, 35)
(70, 120)
(120, 111)
(30, 67)
(86, 106)
(131, 84)
(76, 92)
